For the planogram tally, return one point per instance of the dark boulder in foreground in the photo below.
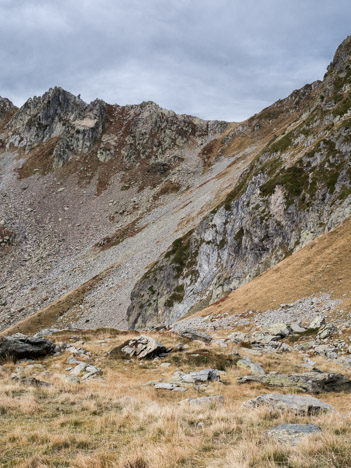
(20, 346)
(315, 382)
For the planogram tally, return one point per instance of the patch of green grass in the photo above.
(176, 297)
(282, 144)
(204, 358)
(294, 179)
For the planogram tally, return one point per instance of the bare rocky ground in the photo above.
(58, 223)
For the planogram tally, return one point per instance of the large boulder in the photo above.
(20, 346)
(143, 347)
(292, 434)
(314, 382)
(301, 405)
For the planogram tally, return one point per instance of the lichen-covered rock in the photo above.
(279, 329)
(205, 401)
(292, 434)
(301, 405)
(315, 382)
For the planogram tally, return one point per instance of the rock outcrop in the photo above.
(296, 189)
(58, 115)
(23, 347)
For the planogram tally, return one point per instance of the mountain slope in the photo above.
(102, 191)
(322, 266)
(297, 188)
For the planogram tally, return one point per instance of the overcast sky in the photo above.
(217, 59)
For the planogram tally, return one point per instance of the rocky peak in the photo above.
(341, 58)
(60, 115)
(5, 106)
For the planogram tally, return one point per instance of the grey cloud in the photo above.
(222, 59)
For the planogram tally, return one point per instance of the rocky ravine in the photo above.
(296, 189)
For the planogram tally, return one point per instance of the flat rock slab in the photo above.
(315, 382)
(204, 401)
(169, 386)
(301, 405)
(193, 334)
(20, 346)
(203, 376)
(292, 434)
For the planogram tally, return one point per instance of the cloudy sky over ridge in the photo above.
(217, 59)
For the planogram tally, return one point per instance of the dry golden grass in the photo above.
(91, 425)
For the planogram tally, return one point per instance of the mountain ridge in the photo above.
(94, 188)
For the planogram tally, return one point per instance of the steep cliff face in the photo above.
(297, 188)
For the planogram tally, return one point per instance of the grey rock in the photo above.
(169, 386)
(20, 346)
(239, 337)
(205, 375)
(31, 381)
(315, 382)
(246, 363)
(143, 347)
(306, 345)
(196, 335)
(297, 328)
(279, 329)
(292, 434)
(79, 369)
(327, 331)
(205, 401)
(318, 322)
(301, 405)
(326, 350)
